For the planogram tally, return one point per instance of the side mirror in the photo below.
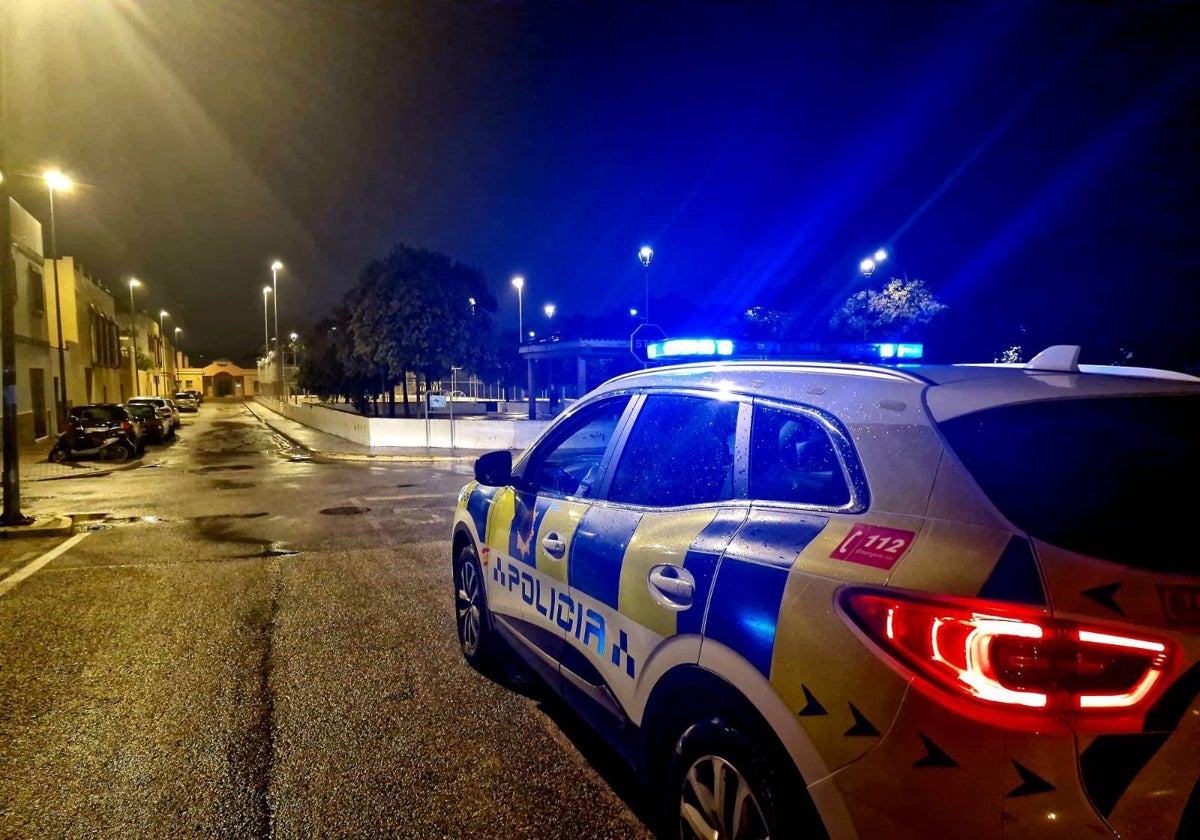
(494, 469)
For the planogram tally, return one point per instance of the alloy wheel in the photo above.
(718, 803)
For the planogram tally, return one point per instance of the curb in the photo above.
(41, 526)
(87, 472)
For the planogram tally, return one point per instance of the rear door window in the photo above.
(680, 451)
(793, 459)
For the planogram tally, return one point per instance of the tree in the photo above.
(418, 310)
(893, 312)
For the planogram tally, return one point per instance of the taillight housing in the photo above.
(126, 426)
(1006, 659)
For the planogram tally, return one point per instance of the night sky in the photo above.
(1035, 163)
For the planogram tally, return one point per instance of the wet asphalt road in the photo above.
(247, 644)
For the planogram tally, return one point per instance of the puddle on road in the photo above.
(345, 511)
(200, 520)
(228, 484)
(270, 550)
(220, 467)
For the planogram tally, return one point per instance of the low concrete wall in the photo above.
(411, 432)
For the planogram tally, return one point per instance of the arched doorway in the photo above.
(223, 385)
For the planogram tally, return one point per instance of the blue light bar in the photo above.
(901, 351)
(677, 347)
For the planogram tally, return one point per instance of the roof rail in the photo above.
(1060, 357)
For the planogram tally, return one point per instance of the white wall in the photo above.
(411, 432)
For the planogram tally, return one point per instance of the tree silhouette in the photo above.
(893, 312)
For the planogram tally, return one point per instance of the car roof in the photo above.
(950, 390)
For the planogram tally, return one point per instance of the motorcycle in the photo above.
(76, 443)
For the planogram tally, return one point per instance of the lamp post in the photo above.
(178, 349)
(646, 254)
(266, 329)
(162, 313)
(275, 269)
(133, 281)
(55, 180)
(519, 284)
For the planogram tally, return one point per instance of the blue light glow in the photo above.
(689, 347)
(900, 351)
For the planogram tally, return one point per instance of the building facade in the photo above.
(36, 367)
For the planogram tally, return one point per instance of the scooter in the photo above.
(76, 443)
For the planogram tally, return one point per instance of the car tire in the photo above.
(761, 790)
(476, 638)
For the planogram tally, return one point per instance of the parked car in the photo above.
(186, 403)
(152, 423)
(169, 415)
(810, 598)
(198, 395)
(90, 425)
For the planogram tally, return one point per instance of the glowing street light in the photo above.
(55, 180)
(133, 281)
(549, 309)
(646, 254)
(869, 264)
(519, 284)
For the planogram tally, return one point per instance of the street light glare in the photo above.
(56, 180)
(518, 282)
(266, 290)
(881, 255)
(867, 266)
(162, 313)
(646, 254)
(133, 281)
(549, 309)
(276, 266)
(294, 336)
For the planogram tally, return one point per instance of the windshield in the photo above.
(1093, 475)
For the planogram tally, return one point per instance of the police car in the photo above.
(845, 600)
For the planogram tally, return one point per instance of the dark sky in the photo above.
(1035, 163)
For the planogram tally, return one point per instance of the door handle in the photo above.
(672, 587)
(554, 545)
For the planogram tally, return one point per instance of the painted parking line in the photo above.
(20, 575)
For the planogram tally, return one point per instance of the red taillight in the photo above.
(1013, 658)
(126, 426)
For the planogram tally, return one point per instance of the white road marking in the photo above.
(16, 577)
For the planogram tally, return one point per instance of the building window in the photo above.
(37, 290)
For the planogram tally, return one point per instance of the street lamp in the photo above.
(471, 301)
(266, 330)
(162, 313)
(178, 349)
(133, 281)
(549, 309)
(55, 180)
(868, 265)
(519, 284)
(275, 268)
(646, 255)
